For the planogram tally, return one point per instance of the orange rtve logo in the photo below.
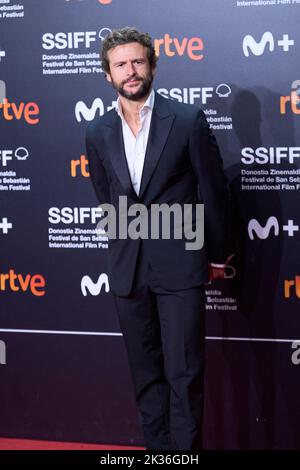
(28, 111)
(293, 99)
(193, 47)
(17, 282)
(292, 287)
(81, 165)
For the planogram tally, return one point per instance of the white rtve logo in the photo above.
(2, 353)
(263, 231)
(94, 288)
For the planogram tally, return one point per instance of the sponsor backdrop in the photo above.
(63, 366)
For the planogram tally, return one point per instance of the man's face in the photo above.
(130, 71)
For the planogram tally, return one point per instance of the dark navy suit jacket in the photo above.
(182, 165)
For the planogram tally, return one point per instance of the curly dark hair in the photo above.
(125, 36)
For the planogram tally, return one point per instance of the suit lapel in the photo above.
(160, 127)
(117, 154)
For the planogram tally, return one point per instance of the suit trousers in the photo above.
(164, 333)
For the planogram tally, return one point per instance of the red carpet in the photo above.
(26, 444)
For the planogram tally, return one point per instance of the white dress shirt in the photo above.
(135, 147)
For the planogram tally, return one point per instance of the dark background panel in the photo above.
(78, 387)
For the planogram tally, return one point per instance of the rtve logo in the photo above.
(80, 165)
(293, 99)
(271, 226)
(171, 47)
(94, 288)
(292, 287)
(267, 41)
(29, 111)
(17, 282)
(88, 113)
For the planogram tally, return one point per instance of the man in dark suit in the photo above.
(157, 151)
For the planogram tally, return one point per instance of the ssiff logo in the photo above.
(6, 155)
(72, 39)
(193, 94)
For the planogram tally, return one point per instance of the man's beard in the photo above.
(142, 91)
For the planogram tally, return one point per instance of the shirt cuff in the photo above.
(214, 265)
(222, 266)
